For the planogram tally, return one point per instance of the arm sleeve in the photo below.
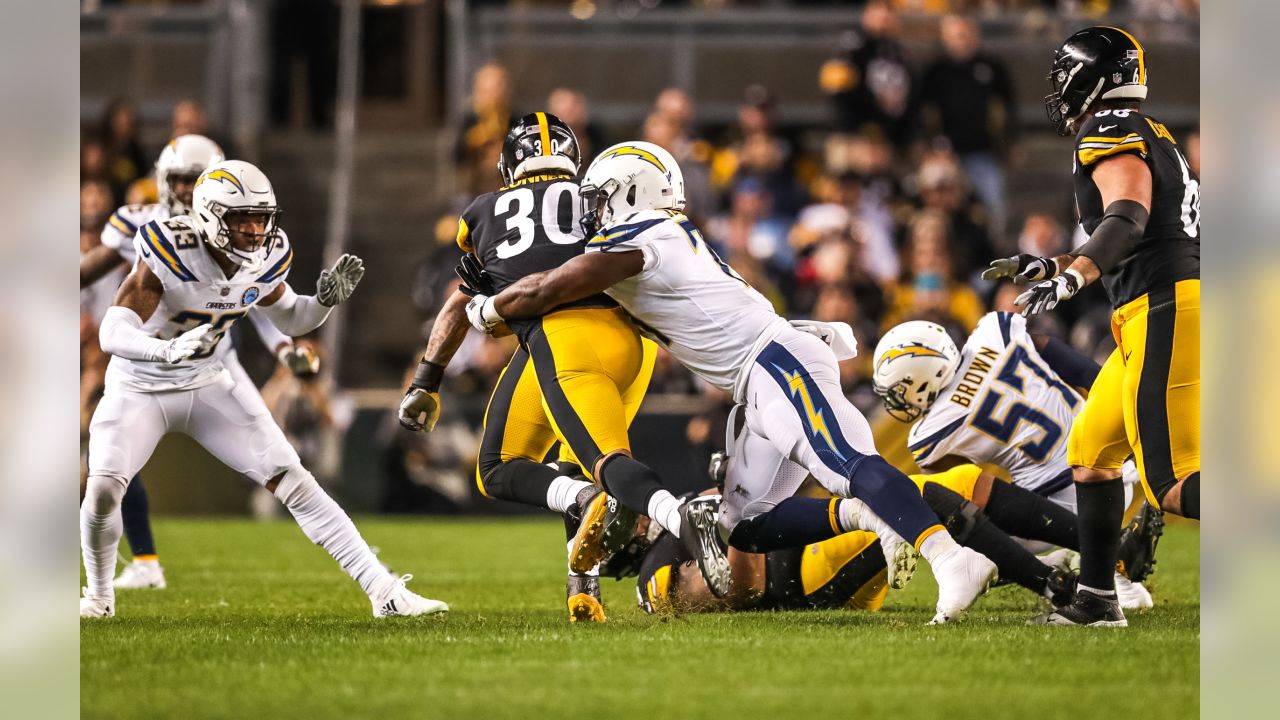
(270, 335)
(1073, 367)
(296, 314)
(121, 334)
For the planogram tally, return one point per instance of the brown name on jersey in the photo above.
(974, 375)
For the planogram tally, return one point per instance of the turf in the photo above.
(258, 623)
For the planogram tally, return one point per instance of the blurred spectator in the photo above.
(665, 132)
(941, 187)
(571, 107)
(93, 160)
(189, 119)
(756, 235)
(870, 83)
(838, 262)
(757, 150)
(842, 207)
(967, 96)
(1042, 236)
(125, 160)
(1191, 146)
(928, 289)
(675, 105)
(483, 130)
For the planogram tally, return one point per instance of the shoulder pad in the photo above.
(161, 244)
(926, 438)
(628, 230)
(278, 261)
(1107, 134)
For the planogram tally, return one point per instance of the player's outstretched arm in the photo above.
(536, 294)
(96, 263)
(121, 331)
(296, 314)
(420, 408)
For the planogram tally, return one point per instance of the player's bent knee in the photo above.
(103, 493)
(1082, 474)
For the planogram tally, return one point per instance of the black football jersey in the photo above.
(527, 227)
(1170, 247)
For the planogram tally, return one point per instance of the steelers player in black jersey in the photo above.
(578, 376)
(1140, 203)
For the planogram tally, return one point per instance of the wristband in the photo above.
(428, 376)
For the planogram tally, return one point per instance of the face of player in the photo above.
(248, 229)
(184, 187)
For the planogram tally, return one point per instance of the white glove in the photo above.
(1049, 293)
(301, 360)
(338, 282)
(186, 344)
(482, 315)
(1021, 269)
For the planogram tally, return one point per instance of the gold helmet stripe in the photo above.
(544, 133)
(1142, 61)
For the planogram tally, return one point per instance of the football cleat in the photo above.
(1087, 609)
(141, 575)
(96, 607)
(963, 575)
(1132, 595)
(1061, 587)
(1138, 544)
(399, 600)
(583, 593)
(607, 526)
(700, 535)
(900, 559)
(1063, 559)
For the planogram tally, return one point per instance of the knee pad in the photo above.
(959, 516)
(296, 486)
(103, 493)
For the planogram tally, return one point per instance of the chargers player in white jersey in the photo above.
(195, 276)
(1007, 399)
(104, 267)
(651, 259)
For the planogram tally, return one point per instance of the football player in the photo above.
(180, 163)
(1006, 399)
(650, 258)
(1140, 203)
(578, 376)
(196, 275)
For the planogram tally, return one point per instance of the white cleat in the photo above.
(141, 575)
(1132, 595)
(963, 575)
(96, 607)
(901, 559)
(399, 600)
(1063, 559)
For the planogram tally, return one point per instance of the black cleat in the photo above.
(1138, 544)
(606, 527)
(1087, 609)
(700, 535)
(1062, 587)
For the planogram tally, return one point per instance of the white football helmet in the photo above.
(627, 178)
(184, 155)
(231, 187)
(913, 362)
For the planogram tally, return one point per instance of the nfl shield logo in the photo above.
(226, 291)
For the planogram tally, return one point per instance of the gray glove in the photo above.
(338, 282)
(1021, 269)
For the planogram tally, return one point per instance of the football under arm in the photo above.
(291, 313)
(96, 263)
(585, 275)
(121, 332)
(1124, 182)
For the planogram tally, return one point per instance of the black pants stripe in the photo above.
(562, 412)
(495, 416)
(1153, 385)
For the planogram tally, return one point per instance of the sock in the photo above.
(100, 531)
(794, 522)
(893, 497)
(936, 545)
(1020, 512)
(1191, 496)
(1101, 506)
(325, 524)
(563, 491)
(520, 480)
(972, 529)
(135, 512)
(664, 509)
(852, 515)
(632, 483)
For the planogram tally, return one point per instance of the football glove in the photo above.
(475, 279)
(1049, 293)
(420, 409)
(301, 360)
(1021, 269)
(482, 315)
(186, 344)
(338, 282)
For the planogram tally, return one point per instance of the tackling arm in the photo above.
(582, 276)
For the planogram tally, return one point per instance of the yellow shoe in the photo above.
(605, 528)
(585, 608)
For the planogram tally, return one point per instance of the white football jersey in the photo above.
(1005, 407)
(195, 292)
(124, 224)
(687, 299)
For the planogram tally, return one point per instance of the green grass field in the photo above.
(258, 623)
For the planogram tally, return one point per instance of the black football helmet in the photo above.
(1097, 63)
(538, 142)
